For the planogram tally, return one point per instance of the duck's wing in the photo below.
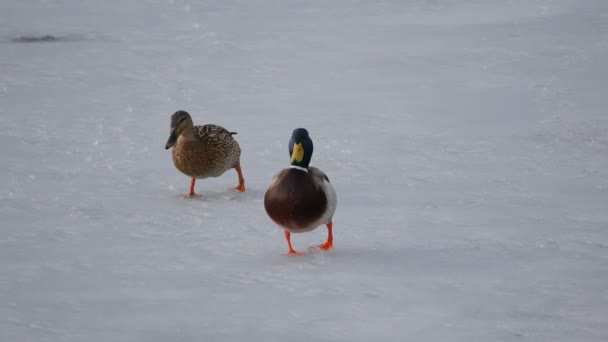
(322, 181)
(213, 133)
(319, 175)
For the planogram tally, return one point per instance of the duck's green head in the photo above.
(180, 121)
(300, 148)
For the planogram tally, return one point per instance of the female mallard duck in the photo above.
(301, 198)
(203, 151)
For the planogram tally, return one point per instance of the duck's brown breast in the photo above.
(294, 201)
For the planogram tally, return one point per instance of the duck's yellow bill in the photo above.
(298, 153)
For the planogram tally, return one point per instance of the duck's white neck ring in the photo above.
(299, 168)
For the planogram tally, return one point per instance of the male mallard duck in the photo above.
(203, 151)
(301, 198)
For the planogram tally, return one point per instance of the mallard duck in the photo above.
(301, 198)
(203, 151)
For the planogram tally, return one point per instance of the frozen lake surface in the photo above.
(467, 141)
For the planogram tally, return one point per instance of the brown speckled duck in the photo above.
(203, 151)
(301, 198)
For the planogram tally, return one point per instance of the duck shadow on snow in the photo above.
(344, 254)
(227, 194)
(49, 38)
(380, 261)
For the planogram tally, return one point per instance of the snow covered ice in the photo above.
(467, 141)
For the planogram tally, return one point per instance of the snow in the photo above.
(467, 141)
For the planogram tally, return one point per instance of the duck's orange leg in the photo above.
(241, 186)
(291, 250)
(192, 193)
(330, 238)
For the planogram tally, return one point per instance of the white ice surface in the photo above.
(467, 141)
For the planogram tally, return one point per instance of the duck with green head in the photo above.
(301, 198)
(203, 151)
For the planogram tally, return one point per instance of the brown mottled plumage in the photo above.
(203, 151)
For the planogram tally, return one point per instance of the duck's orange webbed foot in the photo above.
(330, 238)
(241, 186)
(291, 251)
(192, 194)
(326, 245)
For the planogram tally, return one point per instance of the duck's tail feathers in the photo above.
(233, 133)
